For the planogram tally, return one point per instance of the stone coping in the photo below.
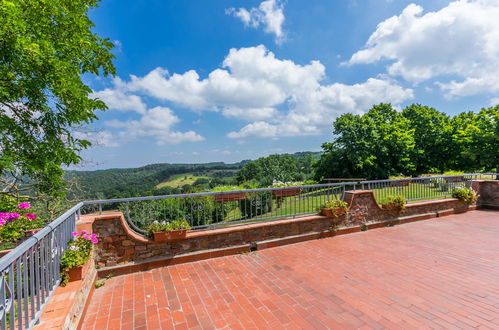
(67, 304)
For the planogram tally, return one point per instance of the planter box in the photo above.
(4, 252)
(31, 232)
(455, 179)
(391, 207)
(78, 273)
(230, 197)
(172, 235)
(404, 183)
(332, 213)
(286, 192)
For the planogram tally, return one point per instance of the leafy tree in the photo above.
(417, 140)
(45, 48)
(265, 170)
(376, 144)
(432, 133)
(476, 140)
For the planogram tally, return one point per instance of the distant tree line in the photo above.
(264, 171)
(142, 181)
(384, 142)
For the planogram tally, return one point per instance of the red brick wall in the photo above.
(488, 192)
(120, 245)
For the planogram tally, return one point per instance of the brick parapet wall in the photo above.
(364, 208)
(488, 192)
(121, 245)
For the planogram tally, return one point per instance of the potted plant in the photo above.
(17, 225)
(168, 231)
(74, 261)
(393, 203)
(464, 194)
(289, 189)
(455, 176)
(334, 208)
(228, 194)
(402, 181)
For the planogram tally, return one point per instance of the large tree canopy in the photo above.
(476, 140)
(45, 47)
(384, 142)
(283, 168)
(374, 145)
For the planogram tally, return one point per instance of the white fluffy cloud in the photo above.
(117, 99)
(269, 14)
(458, 45)
(314, 109)
(278, 97)
(157, 123)
(251, 78)
(97, 138)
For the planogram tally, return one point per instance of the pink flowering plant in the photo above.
(17, 223)
(78, 252)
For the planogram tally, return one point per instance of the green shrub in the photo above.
(467, 195)
(16, 222)
(168, 226)
(398, 177)
(393, 203)
(77, 253)
(338, 206)
(453, 173)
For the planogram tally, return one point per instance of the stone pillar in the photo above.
(362, 207)
(488, 193)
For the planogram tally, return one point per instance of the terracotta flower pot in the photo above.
(79, 272)
(172, 235)
(230, 197)
(404, 183)
(31, 232)
(455, 179)
(4, 252)
(333, 213)
(286, 192)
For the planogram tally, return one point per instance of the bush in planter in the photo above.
(172, 230)
(335, 208)
(17, 224)
(393, 203)
(467, 195)
(157, 226)
(77, 253)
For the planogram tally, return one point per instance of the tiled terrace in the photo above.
(438, 273)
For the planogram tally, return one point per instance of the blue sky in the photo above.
(203, 80)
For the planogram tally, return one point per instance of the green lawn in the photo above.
(180, 180)
(309, 202)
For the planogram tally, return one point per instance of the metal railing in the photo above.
(217, 209)
(31, 272)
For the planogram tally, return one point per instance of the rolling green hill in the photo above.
(155, 179)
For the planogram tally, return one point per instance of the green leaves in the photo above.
(282, 168)
(420, 139)
(45, 47)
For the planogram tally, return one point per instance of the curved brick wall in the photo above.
(120, 245)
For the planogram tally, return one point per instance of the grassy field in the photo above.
(180, 180)
(310, 203)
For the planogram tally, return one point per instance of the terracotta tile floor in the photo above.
(441, 273)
